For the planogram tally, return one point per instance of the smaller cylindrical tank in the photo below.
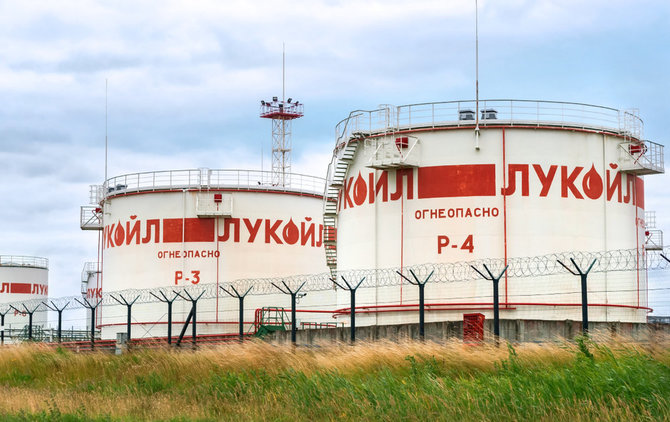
(22, 278)
(90, 286)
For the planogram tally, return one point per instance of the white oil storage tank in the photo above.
(22, 278)
(182, 228)
(461, 181)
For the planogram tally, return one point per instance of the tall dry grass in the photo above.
(616, 380)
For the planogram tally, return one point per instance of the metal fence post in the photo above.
(55, 308)
(241, 305)
(194, 304)
(585, 303)
(293, 294)
(30, 318)
(169, 313)
(88, 305)
(60, 325)
(496, 298)
(128, 305)
(93, 327)
(422, 285)
(30, 326)
(352, 291)
(194, 323)
(2, 324)
(294, 320)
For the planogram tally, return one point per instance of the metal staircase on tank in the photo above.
(653, 237)
(90, 216)
(392, 152)
(641, 157)
(337, 174)
(390, 148)
(638, 156)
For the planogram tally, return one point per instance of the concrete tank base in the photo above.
(510, 330)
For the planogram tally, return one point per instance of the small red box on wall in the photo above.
(218, 197)
(473, 327)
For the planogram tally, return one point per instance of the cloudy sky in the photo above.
(185, 80)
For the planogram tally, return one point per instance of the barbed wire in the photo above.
(534, 266)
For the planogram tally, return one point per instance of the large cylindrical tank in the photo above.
(429, 183)
(187, 227)
(22, 278)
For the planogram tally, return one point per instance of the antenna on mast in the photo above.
(476, 76)
(105, 130)
(281, 112)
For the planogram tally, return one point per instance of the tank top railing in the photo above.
(23, 261)
(510, 112)
(212, 179)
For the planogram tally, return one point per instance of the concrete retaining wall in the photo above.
(510, 330)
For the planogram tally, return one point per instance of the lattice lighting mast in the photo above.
(282, 112)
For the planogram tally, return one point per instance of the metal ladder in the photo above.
(337, 174)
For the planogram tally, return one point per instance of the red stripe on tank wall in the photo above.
(457, 181)
(639, 192)
(199, 229)
(172, 230)
(20, 288)
(194, 229)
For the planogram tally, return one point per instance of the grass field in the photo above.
(376, 381)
